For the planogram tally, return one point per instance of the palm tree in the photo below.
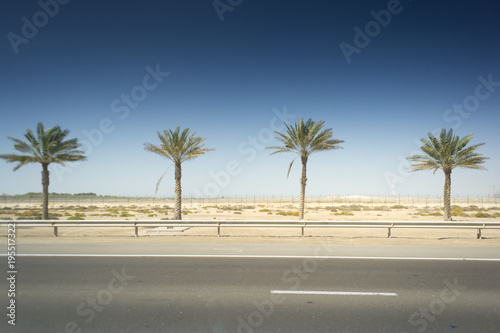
(446, 153)
(178, 147)
(305, 138)
(48, 146)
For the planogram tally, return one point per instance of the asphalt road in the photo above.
(233, 290)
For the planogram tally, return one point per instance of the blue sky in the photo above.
(233, 81)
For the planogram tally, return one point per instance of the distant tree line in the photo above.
(39, 195)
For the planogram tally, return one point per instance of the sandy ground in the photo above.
(345, 211)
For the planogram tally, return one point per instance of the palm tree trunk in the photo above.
(447, 194)
(178, 193)
(303, 180)
(45, 192)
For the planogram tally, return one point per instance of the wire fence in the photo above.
(255, 201)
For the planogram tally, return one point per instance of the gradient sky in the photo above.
(234, 74)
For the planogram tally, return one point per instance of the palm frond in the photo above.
(305, 138)
(159, 180)
(290, 168)
(178, 146)
(47, 146)
(447, 152)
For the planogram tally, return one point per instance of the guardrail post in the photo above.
(218, 230)
(389, 231)
(55, 230)
(479, 233)
(303, 229)
(136, 230)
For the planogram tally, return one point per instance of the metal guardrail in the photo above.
(136, 224)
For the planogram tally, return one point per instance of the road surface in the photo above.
(101, 287)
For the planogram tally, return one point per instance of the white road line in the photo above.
(338, 293)
(249, 256)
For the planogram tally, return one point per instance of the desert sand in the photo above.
(326, 209)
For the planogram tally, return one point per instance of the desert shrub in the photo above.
(77, 216)
(496, 215)
(227, 207)
(144, 211)
(482, 215)
(264, 210)
(39, 217)
(382, 208)
(237, 213)
(352, 208)
(344, 213)
(36, 217)
(399, 207)
(287, 213)
(126, 214)
(152, 215)
(29, 213)
(457, 211)
(431, 214)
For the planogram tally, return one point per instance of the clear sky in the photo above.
(381, 74)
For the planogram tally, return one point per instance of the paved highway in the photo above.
(253, 288)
